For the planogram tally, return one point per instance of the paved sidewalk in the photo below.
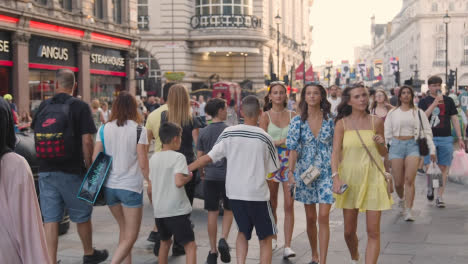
(438, 236)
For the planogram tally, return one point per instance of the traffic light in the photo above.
(451, 79)
(286, 79)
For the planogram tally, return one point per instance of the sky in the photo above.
(341, 25)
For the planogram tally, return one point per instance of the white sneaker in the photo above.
(288, 253)
(401, 205)
(356, 261)
(409, 215)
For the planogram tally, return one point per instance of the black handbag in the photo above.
(422, 140)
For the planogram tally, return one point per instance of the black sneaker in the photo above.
(430, 194)
(97, 257)
(153, 237)
(177, 250)
(212, 258)
(223, 249)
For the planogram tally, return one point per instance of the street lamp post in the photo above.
(304, 54)
(278, 22)
(446, 21)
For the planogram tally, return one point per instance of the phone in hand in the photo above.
(343, 188)
(292, 190)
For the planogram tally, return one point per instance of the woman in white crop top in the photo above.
(402, 129)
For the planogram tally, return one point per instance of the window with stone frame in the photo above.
(41, 2)
(66, 4)
(117, 11)
(143, 17)
(451, 6)
(98, 8)
(465, 51)
(223, 7)
(440, 49)
(434, 7)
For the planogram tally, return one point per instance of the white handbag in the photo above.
(310, 175)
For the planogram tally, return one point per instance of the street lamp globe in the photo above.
(446, 18)
(278, 19)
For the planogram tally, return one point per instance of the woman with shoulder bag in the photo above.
(310, 141)
(358, 148)
(405, 126)
(125, 140)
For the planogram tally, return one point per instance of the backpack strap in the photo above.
(139, 129)
(101, 135)
(163, 117)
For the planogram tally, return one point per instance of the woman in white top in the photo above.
(402, 129)
(126, 141)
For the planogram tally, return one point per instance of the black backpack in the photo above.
(53, 131)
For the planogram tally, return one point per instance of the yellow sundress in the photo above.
(367, 188)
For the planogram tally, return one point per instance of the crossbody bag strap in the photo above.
(139, 129)
(368, 152)
(101, 135)
(421, 126)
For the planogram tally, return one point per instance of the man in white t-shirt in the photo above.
(169, 174)
(334, 99)
(201, 109)
(251, 155)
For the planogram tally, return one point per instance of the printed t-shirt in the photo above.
(440, 117)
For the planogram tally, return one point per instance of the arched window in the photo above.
(149, 77)
(223, 7)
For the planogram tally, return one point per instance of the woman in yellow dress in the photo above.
(352, 165)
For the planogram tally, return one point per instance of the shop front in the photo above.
(6, 62)
(108, 73)
(46, 56)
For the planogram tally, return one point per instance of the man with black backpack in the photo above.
(63, 129)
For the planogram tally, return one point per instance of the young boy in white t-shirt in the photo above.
(251, 155)
(169, 174)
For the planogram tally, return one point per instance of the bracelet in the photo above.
(334, 175)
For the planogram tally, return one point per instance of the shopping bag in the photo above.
(459, 169)
(95, 177)
(434, 176)
(90, 190)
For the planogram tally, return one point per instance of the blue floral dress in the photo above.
(312, 150)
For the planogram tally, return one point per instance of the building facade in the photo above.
(93, 38)
(417, 37)
(206, 41)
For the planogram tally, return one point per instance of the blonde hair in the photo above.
(178, 104)
(95, 104)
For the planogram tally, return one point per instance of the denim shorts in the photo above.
(127, 198)
(58, 190)
(444, 151)
(400, 149)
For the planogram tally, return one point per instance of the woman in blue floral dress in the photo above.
(310, 141)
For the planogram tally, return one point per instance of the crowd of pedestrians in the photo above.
(335, 147)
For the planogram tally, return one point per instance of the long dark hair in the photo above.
(411, 92)
(268, 105)
(325, 106)
(7, 131)
(125, 108)
(344, 109)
